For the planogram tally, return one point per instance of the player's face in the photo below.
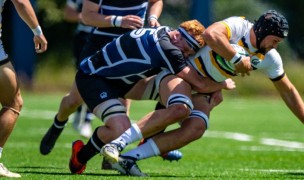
(182, 44)
(270, 42)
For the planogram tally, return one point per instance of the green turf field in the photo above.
(248, 139)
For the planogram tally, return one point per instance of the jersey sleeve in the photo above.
(272, 65)
(174, 58)
(236, 27)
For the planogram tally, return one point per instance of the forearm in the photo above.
(294, 102)
(71, 15)
(291, 97)
(207, 85)
(156, 8)
(91, 16)
(26, 12)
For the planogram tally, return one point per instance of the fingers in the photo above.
(132, 22)
(40, 44)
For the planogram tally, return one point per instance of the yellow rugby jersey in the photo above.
(210, 64)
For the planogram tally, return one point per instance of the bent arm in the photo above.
(91, 16)
(216, 37)
(291, 97)
(26, 12)
(71, 15)
(203, 84)
(155, 10)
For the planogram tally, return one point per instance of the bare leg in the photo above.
(11, 101)
(69, 104)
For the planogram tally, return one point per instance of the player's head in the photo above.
(192, 31)
(270, 23)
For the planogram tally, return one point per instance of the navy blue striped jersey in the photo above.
(136, 55)
(120, 8)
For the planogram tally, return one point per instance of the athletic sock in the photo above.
(129, 136)
(146, 150)
(92, 148)
(59, 125)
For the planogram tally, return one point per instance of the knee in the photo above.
(179, 111)
(193, 128)
(118, 124)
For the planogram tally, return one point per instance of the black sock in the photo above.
(89, 150)
(58, 125)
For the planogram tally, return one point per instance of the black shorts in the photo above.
(95, 89)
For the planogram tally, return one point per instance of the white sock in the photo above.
(146, 150)
(129, 136)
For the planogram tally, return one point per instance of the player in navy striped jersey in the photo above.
(128, 15)
(117, 67)
(260, 40)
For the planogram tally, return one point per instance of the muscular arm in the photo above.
(155, 8)
(70, 14)
(27, 14)
(202, 84)
(216, 37)
(291, 97)
(91, 17)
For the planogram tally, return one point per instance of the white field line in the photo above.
(276, 170)
(277, 145)
(281, 145)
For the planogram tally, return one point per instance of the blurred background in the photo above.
(54, 70)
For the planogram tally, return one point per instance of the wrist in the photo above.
(152, 17)
(116, 21)
(37, 31)
(236, 58)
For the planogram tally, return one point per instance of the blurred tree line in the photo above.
(60, 33)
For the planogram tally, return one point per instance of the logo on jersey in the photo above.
(103, 95)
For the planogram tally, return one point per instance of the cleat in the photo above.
(127, 165)
(111, 152)
(174, 155)
(105, 165)
(4, 172)
(75, 166)
(49, 139)
(118, 168)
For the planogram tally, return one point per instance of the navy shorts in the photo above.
(95, 89)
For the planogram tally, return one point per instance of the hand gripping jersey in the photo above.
(136, 55)
(209, 64)
(120, 8)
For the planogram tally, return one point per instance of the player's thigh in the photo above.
(173, 85)
(8, 84)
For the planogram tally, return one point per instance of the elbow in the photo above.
(208, 36)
